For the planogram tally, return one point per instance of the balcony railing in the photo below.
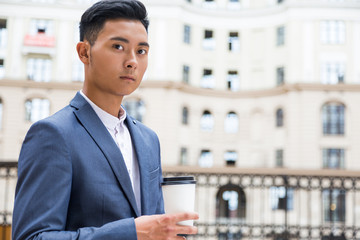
(323, 204)
(8, 178)
(268, 203)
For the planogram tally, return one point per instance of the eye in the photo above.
(118, 47)
(142, 51)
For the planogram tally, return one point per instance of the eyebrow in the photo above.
(121, 39)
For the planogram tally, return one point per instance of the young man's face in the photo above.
(118, 59)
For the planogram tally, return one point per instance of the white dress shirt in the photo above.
(121, 135)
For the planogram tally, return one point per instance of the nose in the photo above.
(131, 61)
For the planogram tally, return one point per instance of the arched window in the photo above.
(207, 121)
(230, 203)
(231, 124)
(333, 117)
(1, 113)
(135, 108)
(206, 158)
(279, 118)
(185, 116)
(36, 109)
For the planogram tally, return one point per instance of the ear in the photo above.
(83, 50)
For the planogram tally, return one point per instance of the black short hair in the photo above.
(94, 18)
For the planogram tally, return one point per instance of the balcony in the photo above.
(306, 204)
(39, 43)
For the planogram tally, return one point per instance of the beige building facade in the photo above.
(244, 84)
(229, 66)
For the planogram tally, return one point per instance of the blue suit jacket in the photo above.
(73, 182)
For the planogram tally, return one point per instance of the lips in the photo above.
(129, 78)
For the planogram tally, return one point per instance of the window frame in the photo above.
(333, 158)
(280, 76)
(35, 109)
(187, 34)
(333, 119)
(207, 121)
(280, 35)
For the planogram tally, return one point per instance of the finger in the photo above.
(185, 216)
(180, 237)
(186, 230)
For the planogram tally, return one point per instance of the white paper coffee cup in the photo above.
(179, 195)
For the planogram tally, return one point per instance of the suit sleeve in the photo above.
(160, 205)
(44, 188)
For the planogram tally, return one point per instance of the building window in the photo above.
(334, 205)
(234, 42)
(208, 80)
(187, 34)
(1, 113)
(183, 156)
(333, 158)
(135, 108)
(282, 198)
(279, 158)
(231, 124)
(43, 1)
(332, 32)
(185, 116)
(3, 33)
(41, 26)
(2, 68)
(209, 4)
(186, 74)
(230, 203)
(78, 74)
(36, 109)
(333, 116)
(87, 1)
(234, 5)
(207, 121)
(230, 208)
(230, 158)
(206, 158)
(280, 76)
(39, 69)
(209, 41)
(279, 118)
(280, 36)
(332, 73)
(233, 81)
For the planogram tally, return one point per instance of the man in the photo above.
(90, 171)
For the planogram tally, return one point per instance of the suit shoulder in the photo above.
(59, 119)
(142, 127)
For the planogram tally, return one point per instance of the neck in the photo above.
(109, 103)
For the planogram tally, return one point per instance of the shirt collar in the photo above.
(106, 118)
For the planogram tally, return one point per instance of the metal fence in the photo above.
(236, 203)
(321, 204)
(8, 178)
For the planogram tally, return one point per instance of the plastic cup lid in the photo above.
(178, 180)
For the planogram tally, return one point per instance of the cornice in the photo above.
(41, 85)
(276, 91)
(249, 12)
(325, 173)
(192, 90)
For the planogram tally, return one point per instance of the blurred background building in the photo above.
(259, 99)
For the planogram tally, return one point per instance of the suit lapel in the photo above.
(96, 129)
(143, 157)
